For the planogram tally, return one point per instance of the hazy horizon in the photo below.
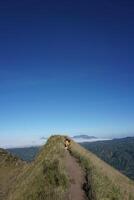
(35, 141)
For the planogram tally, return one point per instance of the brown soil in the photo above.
(76, 177)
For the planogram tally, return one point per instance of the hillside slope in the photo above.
(25, 153)
(106, 183)
(10, 167)
(117, 152)
(53, 176)
(45, 178)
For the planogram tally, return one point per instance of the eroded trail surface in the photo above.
(77, 179)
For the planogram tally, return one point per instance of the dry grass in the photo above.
(46, 177)
(106, 182)
(10, 168)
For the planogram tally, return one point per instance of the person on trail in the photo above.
(67, 143)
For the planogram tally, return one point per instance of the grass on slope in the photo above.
(117, 152)
(26, 153)
(46, 177)
(10, 167)
(103, 181)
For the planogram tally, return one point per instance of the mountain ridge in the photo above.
(117, 152)
(47, 178)
(82, 136)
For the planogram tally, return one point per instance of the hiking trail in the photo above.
(76, 177)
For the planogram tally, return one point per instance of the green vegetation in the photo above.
(103, 181)
(118, 152)
(10, 168)
(25, 153)
(46, 177)
(7, 159)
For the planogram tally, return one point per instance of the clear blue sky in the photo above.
(66, 66)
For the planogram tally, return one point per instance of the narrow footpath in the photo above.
(77, 178)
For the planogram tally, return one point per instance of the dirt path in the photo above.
(77, 178)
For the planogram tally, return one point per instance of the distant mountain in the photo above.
(83, 137)
(29, 153)
(25, 153)
(8, 159)
(117, 152)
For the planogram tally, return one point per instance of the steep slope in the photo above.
(103, 181)
(117, 152)
(57, 174)
(25, 153)
(46, 177)
(10, 167)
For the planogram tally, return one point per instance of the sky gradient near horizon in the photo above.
(66, 66)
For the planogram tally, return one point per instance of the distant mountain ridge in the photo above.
(8, 159)
(117, 152)
(84, 137)
(26, 153)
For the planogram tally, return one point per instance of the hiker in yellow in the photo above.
(67, 143)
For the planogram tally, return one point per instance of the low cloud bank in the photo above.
(80, 140)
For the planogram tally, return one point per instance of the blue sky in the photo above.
(66, 67)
